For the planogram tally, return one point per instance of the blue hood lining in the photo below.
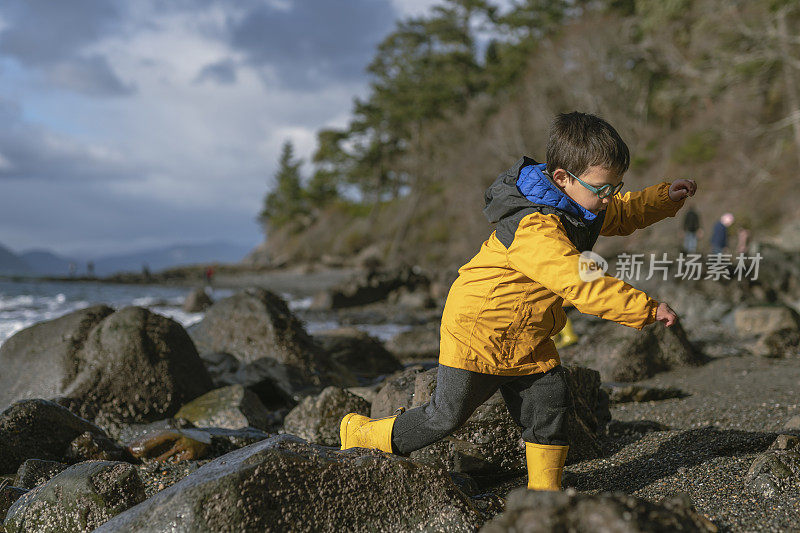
(534, 184)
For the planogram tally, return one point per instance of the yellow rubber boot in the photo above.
(566, 336)
(358, 431)
(545, 465)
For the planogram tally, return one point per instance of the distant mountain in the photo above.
(49, 264)
(11, 263)
(45, 263)
(161, 258)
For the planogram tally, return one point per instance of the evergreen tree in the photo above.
(286, 200)
(426, 68)
(523, 27)
(331, 162)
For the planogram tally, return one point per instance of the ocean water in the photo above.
(24, 303)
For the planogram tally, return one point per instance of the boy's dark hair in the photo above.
(580, 140)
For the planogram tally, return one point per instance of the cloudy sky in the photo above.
(127, 124)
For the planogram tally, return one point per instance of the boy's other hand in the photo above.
(665, 314)
(680, 189)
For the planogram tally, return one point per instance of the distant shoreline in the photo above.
(300, 281)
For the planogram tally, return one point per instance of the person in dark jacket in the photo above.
(691, 225)
(719, 236)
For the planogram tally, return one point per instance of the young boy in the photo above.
(506, 305)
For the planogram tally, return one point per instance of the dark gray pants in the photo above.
(538, 403)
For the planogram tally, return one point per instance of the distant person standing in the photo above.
(691, 225)
(719, 236)
(743, 240)
(209, 275)
(146, 271)
(90, 269)
(73, 269)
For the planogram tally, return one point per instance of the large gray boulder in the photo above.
(78, 499)
(90, 446)
(697, 303)
(625, 354)
(197, 301)
(489, 443)
(277, 385)
(397, 391)
(362, 354)
(590, 414)
(780, 343)
(34, 472)
(38, 429)
(775, 328)
(763, 320)
(316, 419)
(232, 407)
(53, 349)
(779, 272)
(370, 287)
(546, 512)
(257, 324)
(421, 342)
(287, 484)
(110, 367)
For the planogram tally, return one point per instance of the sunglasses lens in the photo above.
(608, 190)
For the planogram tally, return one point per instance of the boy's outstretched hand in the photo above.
(665, 314)
(680, 189)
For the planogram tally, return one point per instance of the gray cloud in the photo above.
(222, 72)
(89, 75)
(304, 44)
(313, 42)
(162, 161)
(61, 194)
(52, 37)
(87, 216)
(31, 152)
(43, 32)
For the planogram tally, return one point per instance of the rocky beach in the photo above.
(121, 419)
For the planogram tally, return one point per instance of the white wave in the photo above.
(178, 315)
(302, 304)
(16, 301)
(8, 328)
(315, 327)
(144, 302)
(25, 304)
(382, 332)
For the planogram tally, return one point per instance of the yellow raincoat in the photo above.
(506, 304)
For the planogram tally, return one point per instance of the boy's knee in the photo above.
(450, 420)
(554, 386)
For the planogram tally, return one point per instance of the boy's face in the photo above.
(596, 176)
